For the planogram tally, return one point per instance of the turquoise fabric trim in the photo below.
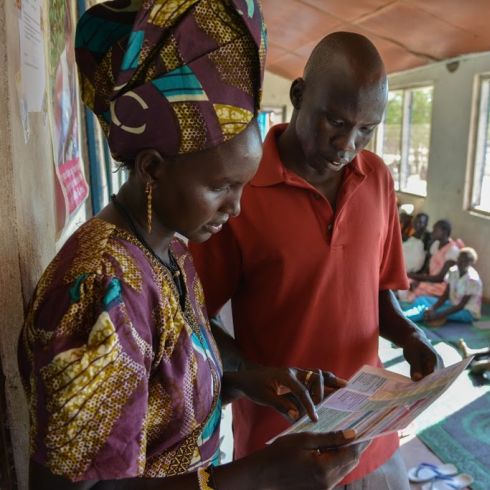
(250, 8)
(131, 56)
(74, 291)
(213, 422)
(180, 81)
(99, 35)
(113, 292)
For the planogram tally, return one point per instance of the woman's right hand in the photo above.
(307, 460)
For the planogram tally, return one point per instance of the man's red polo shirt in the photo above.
(304, 280)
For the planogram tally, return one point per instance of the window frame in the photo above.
(405, 132)
(480, 126)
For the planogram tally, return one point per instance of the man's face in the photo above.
(336, 120)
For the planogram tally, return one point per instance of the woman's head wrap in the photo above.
(174, 75)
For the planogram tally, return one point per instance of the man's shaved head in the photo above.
(348, 52)
(338, 102)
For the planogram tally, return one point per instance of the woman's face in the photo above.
(199, 192)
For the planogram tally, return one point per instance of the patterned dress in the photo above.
(120, 381)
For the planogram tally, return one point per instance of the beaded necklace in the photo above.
(171, 266)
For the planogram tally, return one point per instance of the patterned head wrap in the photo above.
(174, 75)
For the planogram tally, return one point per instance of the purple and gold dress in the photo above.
(121, 381)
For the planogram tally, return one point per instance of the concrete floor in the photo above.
(413, 450)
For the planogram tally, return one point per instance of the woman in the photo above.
(123, 377)
(461, 300)
(443, 254)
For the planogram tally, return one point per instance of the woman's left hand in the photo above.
(430, 314)
(291, 391)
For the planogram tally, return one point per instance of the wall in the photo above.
(450, 159)
(276, 92)
(27, 224)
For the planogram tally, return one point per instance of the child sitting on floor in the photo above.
(461, 300)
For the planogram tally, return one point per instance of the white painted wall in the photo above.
(450, 158)
(276, 92)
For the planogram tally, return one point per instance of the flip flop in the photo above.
(457, 482)
(426, 471)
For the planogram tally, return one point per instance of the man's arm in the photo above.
(395, 327)
(231, 355)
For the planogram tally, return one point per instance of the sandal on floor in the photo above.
(426, 471)
(457, 482)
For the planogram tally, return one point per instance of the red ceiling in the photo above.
(408, 33)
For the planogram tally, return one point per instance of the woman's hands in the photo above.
(430, 314)
(291, 391)
(306, 461)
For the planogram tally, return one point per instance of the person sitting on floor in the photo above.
(416, 247)
(461, 300)
(405, 225)
(443, 253)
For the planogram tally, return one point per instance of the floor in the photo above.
(412, 449)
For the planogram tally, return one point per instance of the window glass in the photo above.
(480, 199)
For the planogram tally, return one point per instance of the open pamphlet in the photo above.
(376, 402)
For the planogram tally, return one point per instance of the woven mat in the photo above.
(463, 439)
(476, 336)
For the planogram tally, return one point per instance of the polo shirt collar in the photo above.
(272, 171)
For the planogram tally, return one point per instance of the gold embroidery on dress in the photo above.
(159, 411)
(131, 273)
(174, 462)
(87, 388)
(45, 283)
(92, 240)
(144, 347)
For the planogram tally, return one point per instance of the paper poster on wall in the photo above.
(64, 108)
(32, 54)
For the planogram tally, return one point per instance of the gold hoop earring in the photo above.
(148, 192)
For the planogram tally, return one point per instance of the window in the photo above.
(480, 196)
(403, 139)
(269, 116)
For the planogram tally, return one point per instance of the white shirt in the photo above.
(469, 284)
(414, 254)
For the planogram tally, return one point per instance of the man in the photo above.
(310, 262)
